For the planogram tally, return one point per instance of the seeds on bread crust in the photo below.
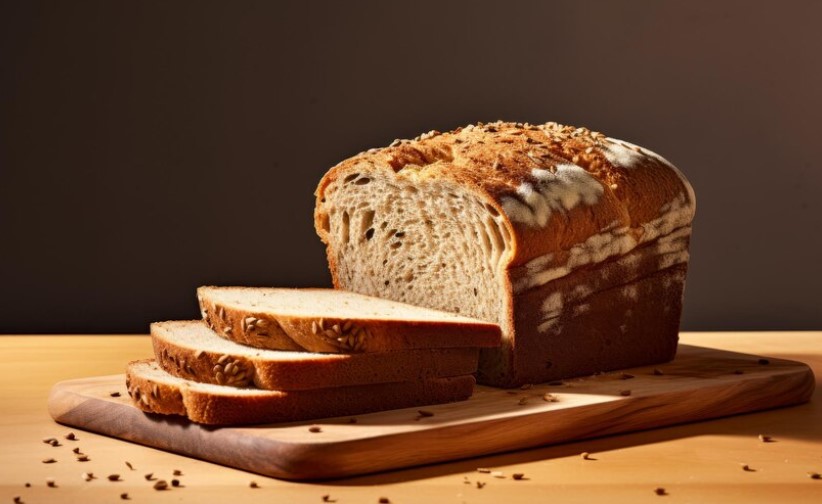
(344, 335)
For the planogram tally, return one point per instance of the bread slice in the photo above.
(155, 391)
(333, 321)
(189, 349)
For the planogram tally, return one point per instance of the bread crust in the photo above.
(157, 392)
(615, 200)
(244, 366)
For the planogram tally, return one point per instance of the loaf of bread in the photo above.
(575, 243)
(155, 391)
(327, 320)
(188, 349)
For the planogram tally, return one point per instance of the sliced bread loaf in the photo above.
(334, 321)
(189, 349)
(155, 391)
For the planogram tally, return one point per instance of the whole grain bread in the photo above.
(155, 391)
(333, 321)
(575, 243)
(190, 350)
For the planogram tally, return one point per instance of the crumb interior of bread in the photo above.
(422, 242)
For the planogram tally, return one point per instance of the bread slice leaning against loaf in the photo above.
(575, 243)
(334, 321)
(189, 349)
(155, 391)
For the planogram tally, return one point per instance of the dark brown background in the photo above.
(150, 147)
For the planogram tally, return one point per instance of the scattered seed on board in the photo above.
(128, 464)
(327, 498)
(82, 458)
(49, 461)
(518, 476)
(253, 484)
(177, 472)
(114, 477)
(88, 476)
(71, 436)
(384, 500)
(765, 438)
(625, 393)
(51, 483)
(660, 491)
(124, 495)
(480, 484)
(115, 394)
(175, 483)
(586, 456)
(315, 429)
(149, 476)
(161, 485)
(747, 468)
(28, 485)
(484, 470)
(77, 451)
(815, 476)
(18, 499)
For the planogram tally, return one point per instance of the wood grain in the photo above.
(701, 383)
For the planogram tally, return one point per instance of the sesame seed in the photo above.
(660, 491)
(483, 470)
(765, 438)
(175, 482)
(253, 484)
(518, 476)
(815, 476)
(480, 484)
(177, 472)
(51, 483)
(114, 477)
(161, 485)
(315, 429)
(747, 468)
(71, 437)
(49, 461)
(586, 456)
(384, 500)
(149, 476)
(124, 496)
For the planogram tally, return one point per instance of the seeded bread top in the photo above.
(539, 176)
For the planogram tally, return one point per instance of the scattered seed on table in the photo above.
(480, 484)
(82, 458)
(28, 485)
(586, 456)
(175, 482)
(327, 498)
(384, 500)
(149, 476)
(315, 429)
(51, 441)
(114, 394)
(765, 438)
(76, 450)
(71, 436)
(124, 495)
(253, 484)
(747, 468)
(18, 499)
(660, 491)
(518, 476)
(484, 470)
(161, 485)
(114, 477)
(49, 461)
(128, 464)
(51, 483)
(88, 476)
(550, 398)
(815, 476)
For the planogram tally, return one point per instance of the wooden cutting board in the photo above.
(701, 383)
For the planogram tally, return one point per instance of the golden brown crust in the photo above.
(495, 160)
(245, 369)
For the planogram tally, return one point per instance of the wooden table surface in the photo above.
(700, 462)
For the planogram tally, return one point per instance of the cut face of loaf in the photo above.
(333, 321)
(154, 391)
(190, 350)
(524, 226)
